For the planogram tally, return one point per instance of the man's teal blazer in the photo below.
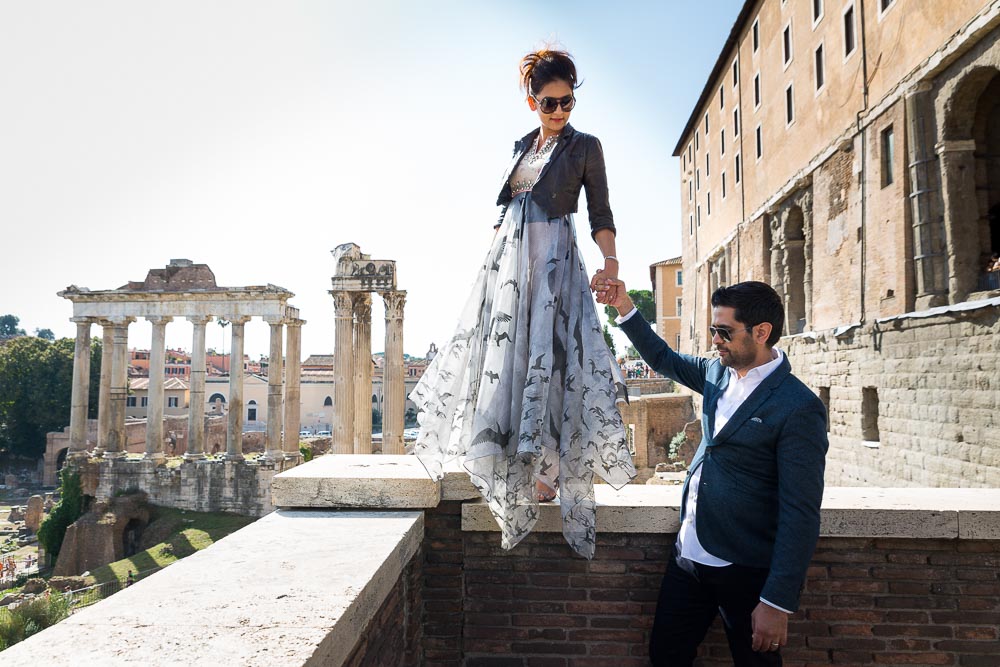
(762, 475)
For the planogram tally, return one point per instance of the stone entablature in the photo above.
(182, 289)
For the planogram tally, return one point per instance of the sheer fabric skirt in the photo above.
(527, 389)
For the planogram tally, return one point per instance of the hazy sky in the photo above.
(257, 136)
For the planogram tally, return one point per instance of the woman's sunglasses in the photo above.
(549, 104)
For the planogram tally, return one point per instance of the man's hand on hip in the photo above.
(770, 628)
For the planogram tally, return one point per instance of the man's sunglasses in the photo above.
(549, 104)
(725, 333)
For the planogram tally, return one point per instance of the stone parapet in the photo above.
(294, 588)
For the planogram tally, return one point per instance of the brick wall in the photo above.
(866, 601)
(393, 636)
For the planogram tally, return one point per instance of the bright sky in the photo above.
(257, 136)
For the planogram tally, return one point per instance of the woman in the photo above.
(526, 391)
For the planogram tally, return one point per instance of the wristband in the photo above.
(607, 257)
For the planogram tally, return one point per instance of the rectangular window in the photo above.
(680, 278)
(697, 180)
(708, 203)
(817, 10)
(738, 168)
(696, 139)
(723, 185)
(736, 73)
(680, 307)
(171, 401)
(869, 414)
(722, 97)
(849, 42)
(756, 91)
(736, 122)
(691, 225)
(689, 152)
(789, 106)
(786, 44)
(144, 401)
(690, 190)
(708, 168)
(722, 141)
(756, 35)
(130, 401)
(888, 153)
(706, 125)
(697, 215)
(760, 145)
(820, 73)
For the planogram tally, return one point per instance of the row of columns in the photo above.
(352, 426)
(282, 408)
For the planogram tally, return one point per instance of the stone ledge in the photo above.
(372, 481)
(847, 512)
(293, 588)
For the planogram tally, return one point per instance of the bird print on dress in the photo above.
(512, 394)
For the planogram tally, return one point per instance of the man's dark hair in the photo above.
(754, 302)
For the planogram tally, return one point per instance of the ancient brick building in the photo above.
(848, 153)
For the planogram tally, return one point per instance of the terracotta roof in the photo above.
(170, 384)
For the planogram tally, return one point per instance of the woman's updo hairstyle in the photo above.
(544, 66)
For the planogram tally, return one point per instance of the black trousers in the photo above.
(691, 596)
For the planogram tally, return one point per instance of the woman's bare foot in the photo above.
(544, 493)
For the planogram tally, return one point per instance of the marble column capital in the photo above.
(120, 321)
(294, 322)
(343, 304)
(199, 319)
(275, 320)
(160, 319)
(238, 319)
(84, 320)
(394, 302)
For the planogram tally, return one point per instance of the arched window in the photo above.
(252, 411)
(217, 397)
(328, 402)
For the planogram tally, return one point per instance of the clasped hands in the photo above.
(611, 291)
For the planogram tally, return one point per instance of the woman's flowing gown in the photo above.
(527, 388)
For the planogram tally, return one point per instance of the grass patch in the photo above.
(194, 532)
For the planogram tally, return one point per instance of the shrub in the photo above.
(675, 445)
(306, 451)
(70, 508)
(30, 617)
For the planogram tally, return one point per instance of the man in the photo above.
(750, 506)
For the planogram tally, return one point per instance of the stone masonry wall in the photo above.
(206, 486)
(866, 601)
(937, 381)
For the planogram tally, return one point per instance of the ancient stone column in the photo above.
(116, 447)
(961, 215)
(363, 373)
(272, 449)
(234, 432)
(104, 393)
(394, 390)
(81, 391)
(196, 405)
(293, 376)
(154, 406)
(343, 395)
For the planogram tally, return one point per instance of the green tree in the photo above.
(69, 509)
(8, 326)
(609, 340)
(45, 334)
(644, 302)
(36, 384)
